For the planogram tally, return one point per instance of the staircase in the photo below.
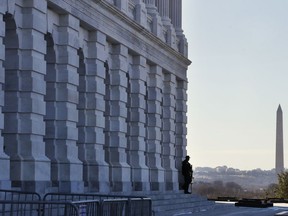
(174, 203)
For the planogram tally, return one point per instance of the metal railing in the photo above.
(84, 196)
(49, 208)
(115, 207)
(18, 195)
(133, 205)
(89, 204)
(140, 206)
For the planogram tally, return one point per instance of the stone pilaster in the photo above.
(154, 127)
(176, 15)
(116, 114)
(181, 130)
(91, 107)
(4, 159)
(136, 124)
(24, 107)
(176, 19)
(62, 115)
(168, 132)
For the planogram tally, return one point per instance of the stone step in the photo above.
(180, 205)
(173, 203)
(177, 201)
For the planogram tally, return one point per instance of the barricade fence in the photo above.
(84, 196)
(48, 208)
(21, 203)
(115, 207)
(19, 195)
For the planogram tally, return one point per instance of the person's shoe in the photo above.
(186, 192)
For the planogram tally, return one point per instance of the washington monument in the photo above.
(279, 165)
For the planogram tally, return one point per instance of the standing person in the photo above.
(187, 172)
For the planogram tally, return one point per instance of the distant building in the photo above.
(279, 159)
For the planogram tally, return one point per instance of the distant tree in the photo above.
(271, 190)
(218, 184)
(282, 189)
(234, 189)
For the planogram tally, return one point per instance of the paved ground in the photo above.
(224, 209)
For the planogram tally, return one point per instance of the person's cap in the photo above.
(187, 156)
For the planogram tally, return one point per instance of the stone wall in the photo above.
(92, 95)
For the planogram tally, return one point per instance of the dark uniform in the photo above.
(187, 172)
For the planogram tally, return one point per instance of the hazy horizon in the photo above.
(214, 167)
(237, 79)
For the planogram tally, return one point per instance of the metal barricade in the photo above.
(135, 205)
(140, 207)
(84, 196)
(49, 208)
(88, 207)
(115, 207)
(70, 197)
(18, 195)
(23, 203)
(19, 208)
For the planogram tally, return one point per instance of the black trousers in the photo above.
(187, 182)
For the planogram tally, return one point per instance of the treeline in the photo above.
(218, 189)
(249, 180)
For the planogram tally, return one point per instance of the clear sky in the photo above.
(237, 79)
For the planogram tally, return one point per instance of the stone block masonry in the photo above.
(92, 95)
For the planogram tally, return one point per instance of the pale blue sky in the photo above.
(238, 77)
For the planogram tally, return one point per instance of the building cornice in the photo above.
(95, 14)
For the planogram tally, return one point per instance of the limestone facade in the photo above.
(92, 95)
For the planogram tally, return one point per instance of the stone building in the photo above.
(92, 95)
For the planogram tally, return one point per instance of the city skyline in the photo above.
(237, 79)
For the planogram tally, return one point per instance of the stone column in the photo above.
(156, 25)
(163, 8)
(169, 31)
(168, 132)
(62, 114)
(176, 15)
(154, 127)
(4, 159)
(24, 107)
(181, 130)
(116, 114)
(91, 123)
(176, 19)
(136, 124)
(150, 2)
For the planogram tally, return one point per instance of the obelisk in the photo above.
(279, 165)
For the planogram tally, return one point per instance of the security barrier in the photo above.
(115, 207)
(48, 208)
(140, 206)
(84, 196)
(18, 195)
(134, 205)
(73, 204)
